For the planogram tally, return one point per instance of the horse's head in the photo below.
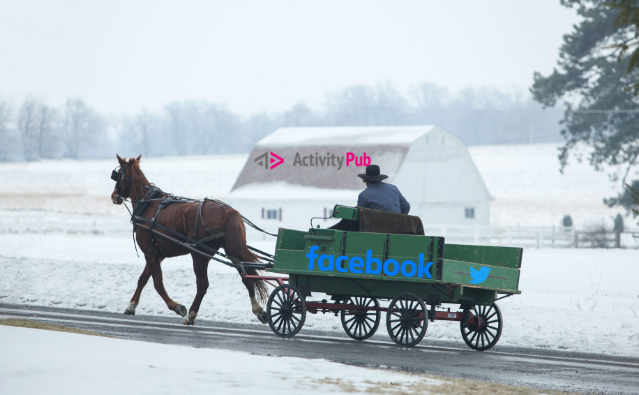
(123, 177)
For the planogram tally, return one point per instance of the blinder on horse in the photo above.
(116, 175)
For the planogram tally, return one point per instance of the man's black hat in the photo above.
(372, 174)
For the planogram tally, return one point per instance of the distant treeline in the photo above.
(33, 130)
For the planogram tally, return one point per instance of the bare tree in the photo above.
(10, 147)
(28, 123)
(82, 125)
(217, 125)
(145, 123)
(391, 107)
(353, 105)
(299, 115)
(362, 105)
(177, 126)
(46, 129)
(5, 116)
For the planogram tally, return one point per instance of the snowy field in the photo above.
(42, 362)
(582, 300)
(529, 190)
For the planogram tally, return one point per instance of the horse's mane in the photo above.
(138, 176)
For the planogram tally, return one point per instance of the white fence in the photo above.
(520, 236)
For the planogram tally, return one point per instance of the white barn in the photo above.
(431, 168)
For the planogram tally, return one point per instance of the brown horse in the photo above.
(181, 217)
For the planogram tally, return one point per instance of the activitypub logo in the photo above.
(269, 160)
(357, 265)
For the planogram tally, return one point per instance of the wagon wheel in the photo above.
(361, 324)
(286, 310)
(405, 319)
(484, 333)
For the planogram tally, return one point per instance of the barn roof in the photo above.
(345, 136)
(386, 146)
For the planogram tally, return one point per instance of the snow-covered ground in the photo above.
(583, 300)
(529, 190)
(42, 362)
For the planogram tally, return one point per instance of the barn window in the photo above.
(271, 214)
(470, 212)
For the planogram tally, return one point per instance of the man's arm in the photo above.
(403, 204)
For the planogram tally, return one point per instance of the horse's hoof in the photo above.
(190, 319)
(263, 317)
(180, 310)
(130, 309)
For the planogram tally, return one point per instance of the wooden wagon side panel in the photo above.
(486, 255)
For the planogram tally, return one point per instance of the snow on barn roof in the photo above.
(355, 136)
(386, 146)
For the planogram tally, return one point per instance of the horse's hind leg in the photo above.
(255, 305)
(135, 300)
(156, 272)
(200, 266)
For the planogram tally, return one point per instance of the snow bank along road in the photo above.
(544, 369)
(54, 363)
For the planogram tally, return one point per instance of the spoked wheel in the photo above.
(405, 319)
(484, 333)
(361, 324)
(286, 310)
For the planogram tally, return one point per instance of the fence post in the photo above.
(539, 239)
(542, 237)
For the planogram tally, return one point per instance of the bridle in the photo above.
(118, 176)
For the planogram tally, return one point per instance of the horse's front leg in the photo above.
(135, 300)
(200, 267)
(156, 272)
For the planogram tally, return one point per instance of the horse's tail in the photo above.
(235, 246)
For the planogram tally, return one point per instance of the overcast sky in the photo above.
(121, 56)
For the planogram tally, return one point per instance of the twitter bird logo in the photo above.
(479, 276)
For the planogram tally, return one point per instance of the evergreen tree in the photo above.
(628, 16)
(593, 81)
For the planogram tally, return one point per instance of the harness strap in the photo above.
(152, 224)
(199, 214)
(211, 237)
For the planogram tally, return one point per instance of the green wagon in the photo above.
(418, 274)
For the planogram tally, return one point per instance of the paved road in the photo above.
(554, 370)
